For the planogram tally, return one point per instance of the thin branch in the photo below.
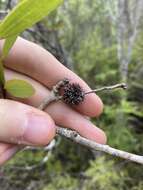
(74, 136)
(4, 12)
(122, 85)
(34, 166)
(2, 92)
(48, 100)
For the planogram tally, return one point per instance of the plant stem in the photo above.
(2, 92)
(122, 85)
(48, 100)
(75, 137)
(2, 80)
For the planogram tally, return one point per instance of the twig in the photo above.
(54, 95)
(122, 85)
(4, 11)
(48, 100)
(34, 166)
(74, 136)
(2, 92)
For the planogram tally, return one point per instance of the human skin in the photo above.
(21, 122)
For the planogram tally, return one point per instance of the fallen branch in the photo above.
(75, 137)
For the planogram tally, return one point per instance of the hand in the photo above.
(23, 124)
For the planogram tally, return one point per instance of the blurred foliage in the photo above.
(106, 176)
(85, 31)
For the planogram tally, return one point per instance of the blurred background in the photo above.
(102, 41)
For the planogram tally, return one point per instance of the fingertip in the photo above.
(95, 134)
(25, 125)
(102, 137)
(40, 130)
(99, 105)
(92, 106)
(96, 105)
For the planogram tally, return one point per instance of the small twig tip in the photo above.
(124, 86)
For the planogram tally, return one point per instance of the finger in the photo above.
(7, 151)
(62, 114)
(4, 147)
(22, 124)
(34, 61)
(74, 120)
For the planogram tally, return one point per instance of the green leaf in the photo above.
(19, 88)
(25, 14)
(8, 45)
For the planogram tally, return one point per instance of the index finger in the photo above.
(34, 61)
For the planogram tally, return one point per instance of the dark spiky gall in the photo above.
(73, 94)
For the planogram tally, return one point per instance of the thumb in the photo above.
(23, 124)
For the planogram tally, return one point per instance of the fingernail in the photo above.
(40, 130)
